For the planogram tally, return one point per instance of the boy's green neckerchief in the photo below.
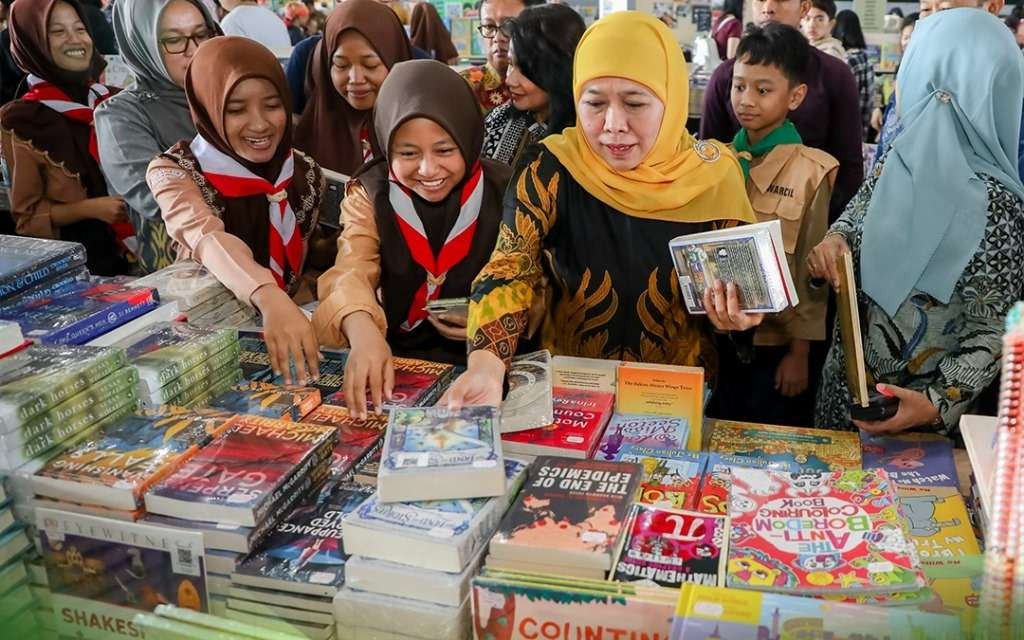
(785, 133)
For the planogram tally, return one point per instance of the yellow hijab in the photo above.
(681, 179)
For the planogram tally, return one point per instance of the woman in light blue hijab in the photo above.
(937, 231)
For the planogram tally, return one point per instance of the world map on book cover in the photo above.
(669, 547)
(915, 459)
(580, 416)
(416, 383)
(818, 532)
(671, 476)
(269, 400)
(788, 448)
(645, 431)
(436, 437)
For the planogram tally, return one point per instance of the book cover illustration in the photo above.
(669, 547)
(938, 523)
(434, 437)
(125, 564)
(663, 390)
(418, 383)
(332, 373)
(715, 488)
(791, 449)
(254, 359)
(726, 462)
(566, 504)
(166, 350)
(671, 476)
(25, 262)
(278, 402)
(916, 459)
(819, 532)
(306, 547)
(580, 418)
(528, 403)
(358, 440)
(645, 431)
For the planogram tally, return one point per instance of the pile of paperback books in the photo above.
(200, 296)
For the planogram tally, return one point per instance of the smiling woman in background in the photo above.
(57, 188)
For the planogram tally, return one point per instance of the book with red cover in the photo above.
(714, 492)
(278, 402)
(671, 476)
(418, 383)
(237, 478)
(580, 419)
(570, 513)
(358, 440)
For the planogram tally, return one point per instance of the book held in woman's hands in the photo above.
(752, 256)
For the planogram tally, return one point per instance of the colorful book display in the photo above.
(268, 400)
(819, 532)
(580, 419)
(787, 448)
(663, 390)
(418, 383)
(938, 523)
(671, 476)
(644, 431)
(912, 459)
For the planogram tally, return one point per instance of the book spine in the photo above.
(102, 321)
(219, 386)
(120, 383)
(209, 387)
(34, 274)
(78, 423)
(166, 368)
(307, 486)
(45, 289)
(196, 380)
(74, 440)
(102, 367)
(318, 457)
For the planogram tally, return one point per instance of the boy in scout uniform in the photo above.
(792, 183)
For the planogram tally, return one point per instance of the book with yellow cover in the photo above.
(790, 449)
(938, 523)
(663, 390)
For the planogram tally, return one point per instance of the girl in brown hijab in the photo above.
(237, 198)
(419, 224)
(49, 144)
(363, 39)
(428, 33)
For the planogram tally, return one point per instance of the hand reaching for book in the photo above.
(369, 366)
(722, 302)
(289, 336)
(481, 384)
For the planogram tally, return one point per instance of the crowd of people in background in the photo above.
(543, 184)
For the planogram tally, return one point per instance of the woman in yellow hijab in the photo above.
(583, 247)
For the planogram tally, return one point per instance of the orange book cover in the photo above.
(663, 390)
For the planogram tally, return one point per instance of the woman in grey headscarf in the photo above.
(157, 39)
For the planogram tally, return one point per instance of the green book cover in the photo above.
(116, 384)
(48, 376)
(222, 381)
(203, 372)
(166, 350)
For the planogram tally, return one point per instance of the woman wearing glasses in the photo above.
(157, 39)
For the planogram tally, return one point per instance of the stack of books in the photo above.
(39, 584)
(979, 434)
(34, 268)
(412, 562)
(168, 622)
(254, 358)
(182, 364)
(17, 601)
(358, 440)
(580, 417)
(569, 520)
(237, 488)
(418, 383)
(199, 295)
(279, 402)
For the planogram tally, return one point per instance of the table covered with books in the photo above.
(160, 481)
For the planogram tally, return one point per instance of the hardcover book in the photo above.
(238, 478)
(82, 311)
(792, 449)
(117, 466)
(915, 459)
(358, 440)
(26, 262)
(571, 512)
(304, 554)
(819, 533)
(46, 376)
(938, 523)
(166, 350)
(418, 383)
(671, 476)
(663, 390)
(432, 453)
(528, 403)
(669, 547)
(580, 419)
(653, 432)
(269, 400)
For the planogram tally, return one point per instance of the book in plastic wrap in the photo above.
(82, 311)
(278, 402)
(654, 432)
(580, 419)
(528, 403)
(240, 476)
(819, 533)
(440, 535)
(358, 440)
(223, 380)
(570, 512)
(166, 350)
(103, 572)
(46, 289)
(663, 390)
(304, 553)
(10, 336)
(914, 459)
(366, 472)
(254, 360)
(43, 376)
(332, 373)
(790, 449)
(668, 548)
(123, 460)
(418, 383)
(27, 262)
(432, 453)
(391, 578)
(671, 476)
(188, 282)
(938, 523)
(196, 380)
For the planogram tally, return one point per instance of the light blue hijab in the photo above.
(961, 89)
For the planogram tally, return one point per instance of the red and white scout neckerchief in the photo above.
(52, 96)
(233, 180)
(456, 245)
(364, 143)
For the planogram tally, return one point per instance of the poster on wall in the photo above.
(701, 17)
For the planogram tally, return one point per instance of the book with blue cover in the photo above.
(26, 262)
(82, 311)
(46, 289)
(279, 402)
(912, 459)
(332, 373)
(254, 360)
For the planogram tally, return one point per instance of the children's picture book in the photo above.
(580, 419)
(668, 548)
(115, 467)
(240, 476)
(26, 262)
(278, 402)
(304, 553)
(938, 523)
(358, 440)
(571, 512)
(726, 462)
(432, 453)
(653, 432)
(418, 383)
(663, 390)
(164, 351)
(103, 572)
(671, 476)
(819, 533)
(912, 459)
(791, 449)
(528, 403)
(714, 493)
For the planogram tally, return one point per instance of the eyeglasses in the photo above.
(179, 44)
(488, 31)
